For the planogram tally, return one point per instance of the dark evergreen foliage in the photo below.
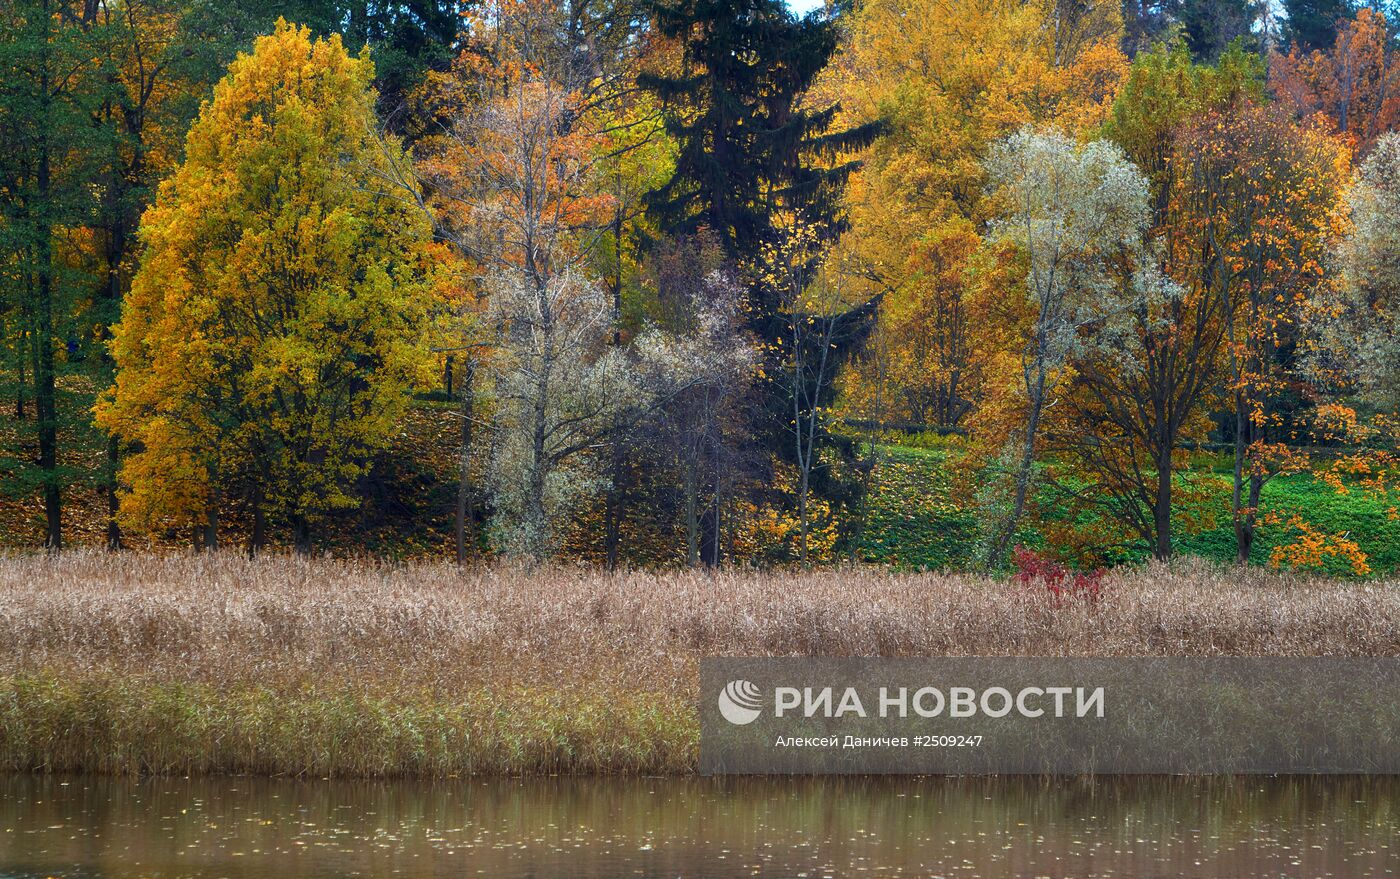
(406, 39)
(1210, 26)
(747, 145)
(1312, 24)
(750, 152)
(1148, 22)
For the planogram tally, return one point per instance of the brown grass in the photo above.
(431, 647)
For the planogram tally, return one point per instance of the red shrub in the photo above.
(1062, 584)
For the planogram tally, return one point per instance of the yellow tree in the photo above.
(149, 107)
(948, 79)
(273, 328)
(1353, 355)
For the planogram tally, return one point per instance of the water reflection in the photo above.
(691, 827)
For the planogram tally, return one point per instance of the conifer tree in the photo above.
(51, 85)
(1312, 24)
(757, 164)
(749, 147)
(1210, 26)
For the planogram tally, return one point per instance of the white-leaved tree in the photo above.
(513, 192)
(516, 192)
(700, 371)
(560, 389)
(1072, 210)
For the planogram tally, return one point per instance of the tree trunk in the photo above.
(692, 514)
(301, 535)
(802, 518)
(1000, 547)
(1162, 506)
(42, 366)
(537, 537)
(804, 456)
(717, 522)
(462, 522)
(863, 515)
(114, 530)
(1244, 524)
(23, 379)
(612, 526)
(211, 525)
(257, 538)
(1247, 527)
(536, 520)
(612, 514)
(206, 534)
(116, 254)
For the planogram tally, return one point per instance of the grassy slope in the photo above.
(915, 519)
(917, 522)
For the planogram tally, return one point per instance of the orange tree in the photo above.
(1355, 83)
(1354, 350)
(968, 73)
(521, 191)
(1260, 196)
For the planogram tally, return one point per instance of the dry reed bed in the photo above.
(132, 608)
(215, 663)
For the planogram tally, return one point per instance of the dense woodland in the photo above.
(677, 282)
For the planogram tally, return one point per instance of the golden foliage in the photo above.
(272, 330)
(1310, 548)
(948, 79)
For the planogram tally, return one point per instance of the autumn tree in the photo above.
(1355, 82)
(1260, 195)
(1355, 347)
(1071, 211)
(701, 358)
(1138, 394)
(818, 324)
(409, 41)
(517, 191)
(634, 155)
(946, 80)
(1353, 357)
(759, 151)
(1163, 92)
(933, 359)
(1353, 360)
(151, 100)
(272, 330)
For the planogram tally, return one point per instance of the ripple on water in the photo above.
(695, 827)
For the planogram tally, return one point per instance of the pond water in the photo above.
(696, 827)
